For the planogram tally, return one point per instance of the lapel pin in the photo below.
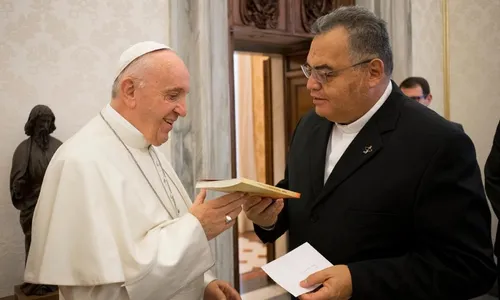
(368, 149)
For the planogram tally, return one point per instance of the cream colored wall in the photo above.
(474, 65)
(475, 71)
(427, 47)
(62, 54)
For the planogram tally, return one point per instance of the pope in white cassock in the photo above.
(113, 221)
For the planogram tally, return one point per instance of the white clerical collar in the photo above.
(357, 125)
(130, 135)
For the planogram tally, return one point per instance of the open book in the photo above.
(246, 186)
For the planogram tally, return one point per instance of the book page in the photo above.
(247, 186)
(289, 270)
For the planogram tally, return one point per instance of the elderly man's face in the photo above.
(162, 99)
(340, 97)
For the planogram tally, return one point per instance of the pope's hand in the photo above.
(212, 214)
(220, 290)
(263, 211)
(336, 281)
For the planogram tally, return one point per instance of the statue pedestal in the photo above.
(19, 295)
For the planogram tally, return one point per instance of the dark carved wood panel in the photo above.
(339, 3)
(260, 13)
(311, 10)
(308, 11)
(281, 26)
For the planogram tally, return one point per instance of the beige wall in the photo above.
(62, 54)
(427, 47)
(475, 71)
(474, 64)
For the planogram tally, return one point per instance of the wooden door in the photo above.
(268, 125)
(268, 119)
(297, 98)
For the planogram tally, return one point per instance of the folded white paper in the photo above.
(290, 269)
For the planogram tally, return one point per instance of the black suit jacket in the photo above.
(404, 207)
(492, 178)
(458, 125)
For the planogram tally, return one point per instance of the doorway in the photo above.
(260, 151)
(270, 96)
(282, 28)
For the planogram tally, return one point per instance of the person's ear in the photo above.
(376, 71)
(429, 98)
(128, 89)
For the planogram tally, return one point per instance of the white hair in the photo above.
(135, 70)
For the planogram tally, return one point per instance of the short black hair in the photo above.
(412, 82)
(368, 34)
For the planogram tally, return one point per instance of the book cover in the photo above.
(247, 186)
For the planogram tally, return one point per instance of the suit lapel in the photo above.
(318, 142)
(363, 148)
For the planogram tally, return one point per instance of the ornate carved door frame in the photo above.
(269, 26)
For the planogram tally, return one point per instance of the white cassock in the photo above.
(101, 231)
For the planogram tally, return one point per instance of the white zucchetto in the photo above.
(137, 50)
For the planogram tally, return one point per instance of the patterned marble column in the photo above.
(200, 145)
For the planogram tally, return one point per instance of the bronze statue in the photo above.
(29, 163)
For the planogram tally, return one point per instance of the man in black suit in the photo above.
(418, 89)
(391, 193)
(492, 179)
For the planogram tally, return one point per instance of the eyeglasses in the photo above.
(418, 98)
(322, 75)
